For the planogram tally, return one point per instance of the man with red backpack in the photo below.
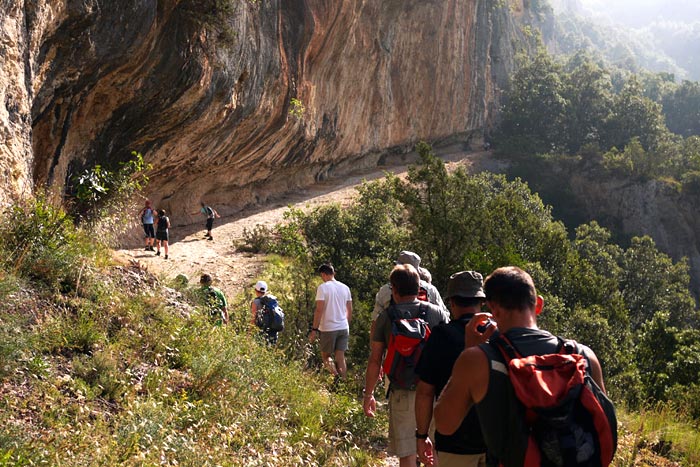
(402, 330)
(426, 291)
(540, 400)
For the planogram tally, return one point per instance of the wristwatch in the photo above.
(421, 436)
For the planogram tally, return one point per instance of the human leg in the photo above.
(341, 346)
(210, 225)
(165, 247)
(327, 343)
(402, 426)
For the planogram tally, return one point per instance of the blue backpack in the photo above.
(270, 317)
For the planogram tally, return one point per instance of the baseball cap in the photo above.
(467, 284)
(408, 257)
(261, 286)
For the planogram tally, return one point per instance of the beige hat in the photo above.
(408, 257)
(467, 284)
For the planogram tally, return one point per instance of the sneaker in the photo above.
(166, 256)
(148, 248)
(158, 253)
(211, 238)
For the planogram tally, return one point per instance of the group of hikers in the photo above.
(156, 226)
(479, 384)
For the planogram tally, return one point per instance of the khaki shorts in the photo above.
(402, 422)
(447, 459)
(332, 341)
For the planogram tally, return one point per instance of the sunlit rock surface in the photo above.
(85, 83)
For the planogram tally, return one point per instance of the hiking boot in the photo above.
(166, 256)
(211, 238)
(158, 253)
(148, 248)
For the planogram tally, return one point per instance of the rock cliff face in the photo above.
(203, 88)
(651, 208)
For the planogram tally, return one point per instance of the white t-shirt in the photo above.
(335, 295)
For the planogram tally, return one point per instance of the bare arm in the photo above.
(425, 397)
(253, 312)
(467, 385)
(596, 369)
(348, 310)
(318, 314)
(374, 364)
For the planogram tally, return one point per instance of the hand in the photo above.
(472, 336)
(312, 336)
(369, 405)
(426, 454)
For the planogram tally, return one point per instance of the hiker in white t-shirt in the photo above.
(332, 321)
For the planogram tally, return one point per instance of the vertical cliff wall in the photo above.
(205, 94)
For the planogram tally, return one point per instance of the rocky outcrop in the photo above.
(203, 88)
(654, 208)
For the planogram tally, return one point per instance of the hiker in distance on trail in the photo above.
(267, 315)
(162, 233)
(407, 320)
(214, 300)
(505, 377)
(147, 215)
(331, 323)
(211, 214)
(464, 448)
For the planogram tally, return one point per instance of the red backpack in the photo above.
(570, 421)
(406, 342)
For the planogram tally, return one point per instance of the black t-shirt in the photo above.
(444, 345)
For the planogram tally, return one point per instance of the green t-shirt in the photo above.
(214, 300)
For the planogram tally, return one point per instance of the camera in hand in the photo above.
(484, 326)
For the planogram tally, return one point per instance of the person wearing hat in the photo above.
(257, 306)
(427, 290)
(466, 446)
(214, 299)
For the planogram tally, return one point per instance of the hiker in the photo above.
(464, 448)
(214, 300)
(425, 275)
(211, 214)
(162, 232)
(480, 377)
(146, 215)
(331, 323)
(262, 307)
(427, 291)
(406, 310)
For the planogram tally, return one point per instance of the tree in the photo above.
(534, 115)
(588, 92)
(682, 109)
(634, 115)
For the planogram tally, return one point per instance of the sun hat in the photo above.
(261, 286)
(408, 257)
(467, 284)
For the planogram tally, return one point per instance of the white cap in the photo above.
(261, 286)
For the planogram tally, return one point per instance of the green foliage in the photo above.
(296, 108)
(39, 242)
(103, 197)
(681, 108)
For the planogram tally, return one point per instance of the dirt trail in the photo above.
(192, 254)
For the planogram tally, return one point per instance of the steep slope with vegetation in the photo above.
(595, 143)
(108, 364)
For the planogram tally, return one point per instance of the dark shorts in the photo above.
(162, 235)
(210, 223)
(332, 341)
(148, 229)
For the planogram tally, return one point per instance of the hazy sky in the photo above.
(639, 13)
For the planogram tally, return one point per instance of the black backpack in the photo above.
(270, 317)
